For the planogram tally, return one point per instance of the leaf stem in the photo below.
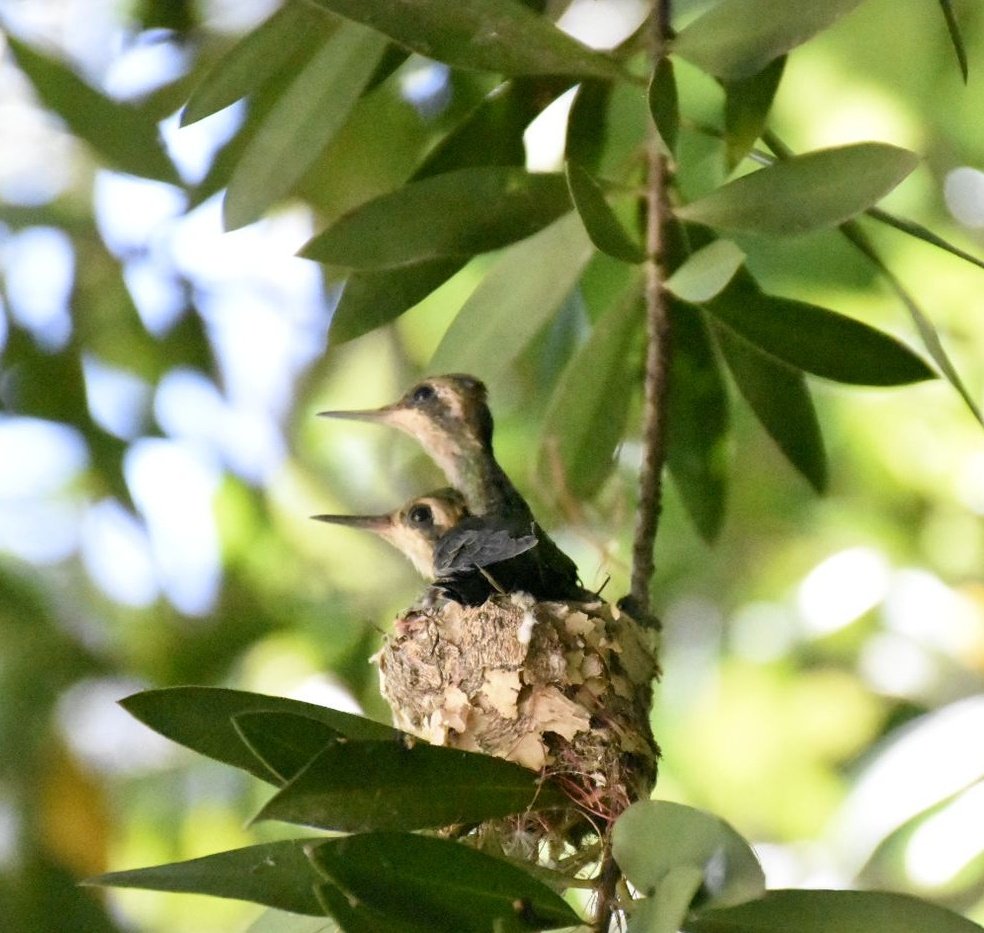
(657, 354)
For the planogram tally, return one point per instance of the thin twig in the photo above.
(657, 356)
(606, 885)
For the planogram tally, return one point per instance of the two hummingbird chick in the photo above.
(479, 537)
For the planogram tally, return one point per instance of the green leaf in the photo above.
(460, 213)
(277, 921)
(201, 718)
(124, 136)
(806, 192)
(778, 395)
(371, 299)
(654, 837)
(599, 219)
(484, 35)
(747, 103)
(442, 884)
(832, 912)
(586, 417)
(816, 339)
(738, 38)
(257, 57)
(355, 917)
(277, 874)
(387, 785)
(665, 910)
(706, 272)
(303, 121)
(927, 332)
(517, 297)
(492, 134)
(664, 104)
(284, 742)
(953, 27)
(922, 233)
(698, 423)
(586, 124)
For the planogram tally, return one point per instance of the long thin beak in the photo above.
(383, 415)
(379, 524)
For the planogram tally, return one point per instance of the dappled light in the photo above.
(160, 454)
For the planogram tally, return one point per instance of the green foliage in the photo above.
(124, 136)
(407, 196)
(738, 38)
(304, 120)
(513, 302)
(654, 838)
(488, 35)
(598, 218)
(461, 213)
(383, 785)
(334, 777)
(827, 911)
(804, 193)
(439, 884)
(277, 874)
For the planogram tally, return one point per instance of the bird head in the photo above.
(447, 415)
(414, 528)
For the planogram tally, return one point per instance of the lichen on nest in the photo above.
(563, 688)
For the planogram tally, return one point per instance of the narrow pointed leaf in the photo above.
(664, 104)
(806, 192)
(285, 742)
(257, 57)
(706, 272)
(927, 332)
(747, 103)
(654, 837)
(492, 134)
(201, 718)
(778, 396)
(586, 416)
(517, 297)
(440, 883)
(604, 228)
(484, 35)
(457, 214)
(277, 874)
(953, 27)
(816, 339)
(586, 124)
(355, 917)
(922, 233)
(125, 137)
(302, 122)
(821, 911)
(372, 299)
(738, 38)
(386, 785)
(698, 423)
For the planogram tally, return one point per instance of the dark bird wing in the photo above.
(475, 543)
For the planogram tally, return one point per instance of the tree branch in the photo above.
(657, 354)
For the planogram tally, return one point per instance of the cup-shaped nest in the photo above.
(563, 688)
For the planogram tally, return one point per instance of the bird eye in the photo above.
(420, 515)
(422, 393)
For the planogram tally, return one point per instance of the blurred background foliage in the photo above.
(159, 457)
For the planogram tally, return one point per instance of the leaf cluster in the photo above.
(690, 871)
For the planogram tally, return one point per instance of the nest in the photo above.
(563, 688)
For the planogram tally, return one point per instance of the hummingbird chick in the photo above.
(463, 557)
(449, 417)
